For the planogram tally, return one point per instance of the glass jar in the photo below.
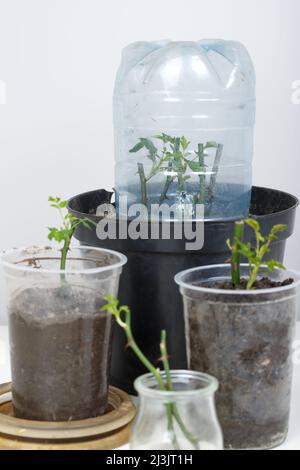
(184, 117)
(183, 419)
(60, 340)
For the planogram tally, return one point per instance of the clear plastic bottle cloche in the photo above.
(184, 117)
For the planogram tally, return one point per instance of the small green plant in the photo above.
(122, 315)
(254, 254)
(65, 233)
(175, 159)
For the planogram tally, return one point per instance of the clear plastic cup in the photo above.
(243, 338)
(60, 342)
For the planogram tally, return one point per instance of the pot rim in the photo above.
(294, 206)
(38, 248)
(179, 280)
(211, 384)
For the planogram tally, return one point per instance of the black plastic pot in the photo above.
(147, 283)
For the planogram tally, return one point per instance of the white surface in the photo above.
(293, 440)
(58, 60)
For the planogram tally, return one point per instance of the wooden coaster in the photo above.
(104, 432)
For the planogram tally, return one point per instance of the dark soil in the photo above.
(263, 283)
(246, 344)
(60, 353)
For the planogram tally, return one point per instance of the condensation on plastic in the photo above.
(204, 91)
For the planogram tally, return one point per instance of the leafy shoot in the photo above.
(65, 233)
(254, 253)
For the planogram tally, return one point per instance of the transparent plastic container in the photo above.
(184, 117)
(60, 341)
(194, 424)
(243, 338)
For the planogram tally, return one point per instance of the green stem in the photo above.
(66, 247)
(143, 183)
(169, 181)
(254, 269)
(165, 360)
(153, 370)
(163, 196)
(202, 178)
(64, 253)
(252, 277)
(213, 178)
(133, 345)
(186, 433)
(178, 161)
(180, 182)
(172, 406)
(235, 254)
(156, 168)
(169, 406)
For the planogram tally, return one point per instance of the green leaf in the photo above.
(278, 228)
(263, 250)
(246, 250)
(54, 199)
(57, 202)
(52, 233)
(279, 265)
(145, 143)
(57, 235)
(184, 143)
(260, 237)
(107, 307)
(137, 147)
(178, 157)
(70, 217)
(168, 156)
(228, 243)
(87, 223)
(272, 237)
(112, 303)
(253, 224)
(272, 264)
(151, 148)
(165, 138)
(149, 145)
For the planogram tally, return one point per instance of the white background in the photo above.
(58, 59)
